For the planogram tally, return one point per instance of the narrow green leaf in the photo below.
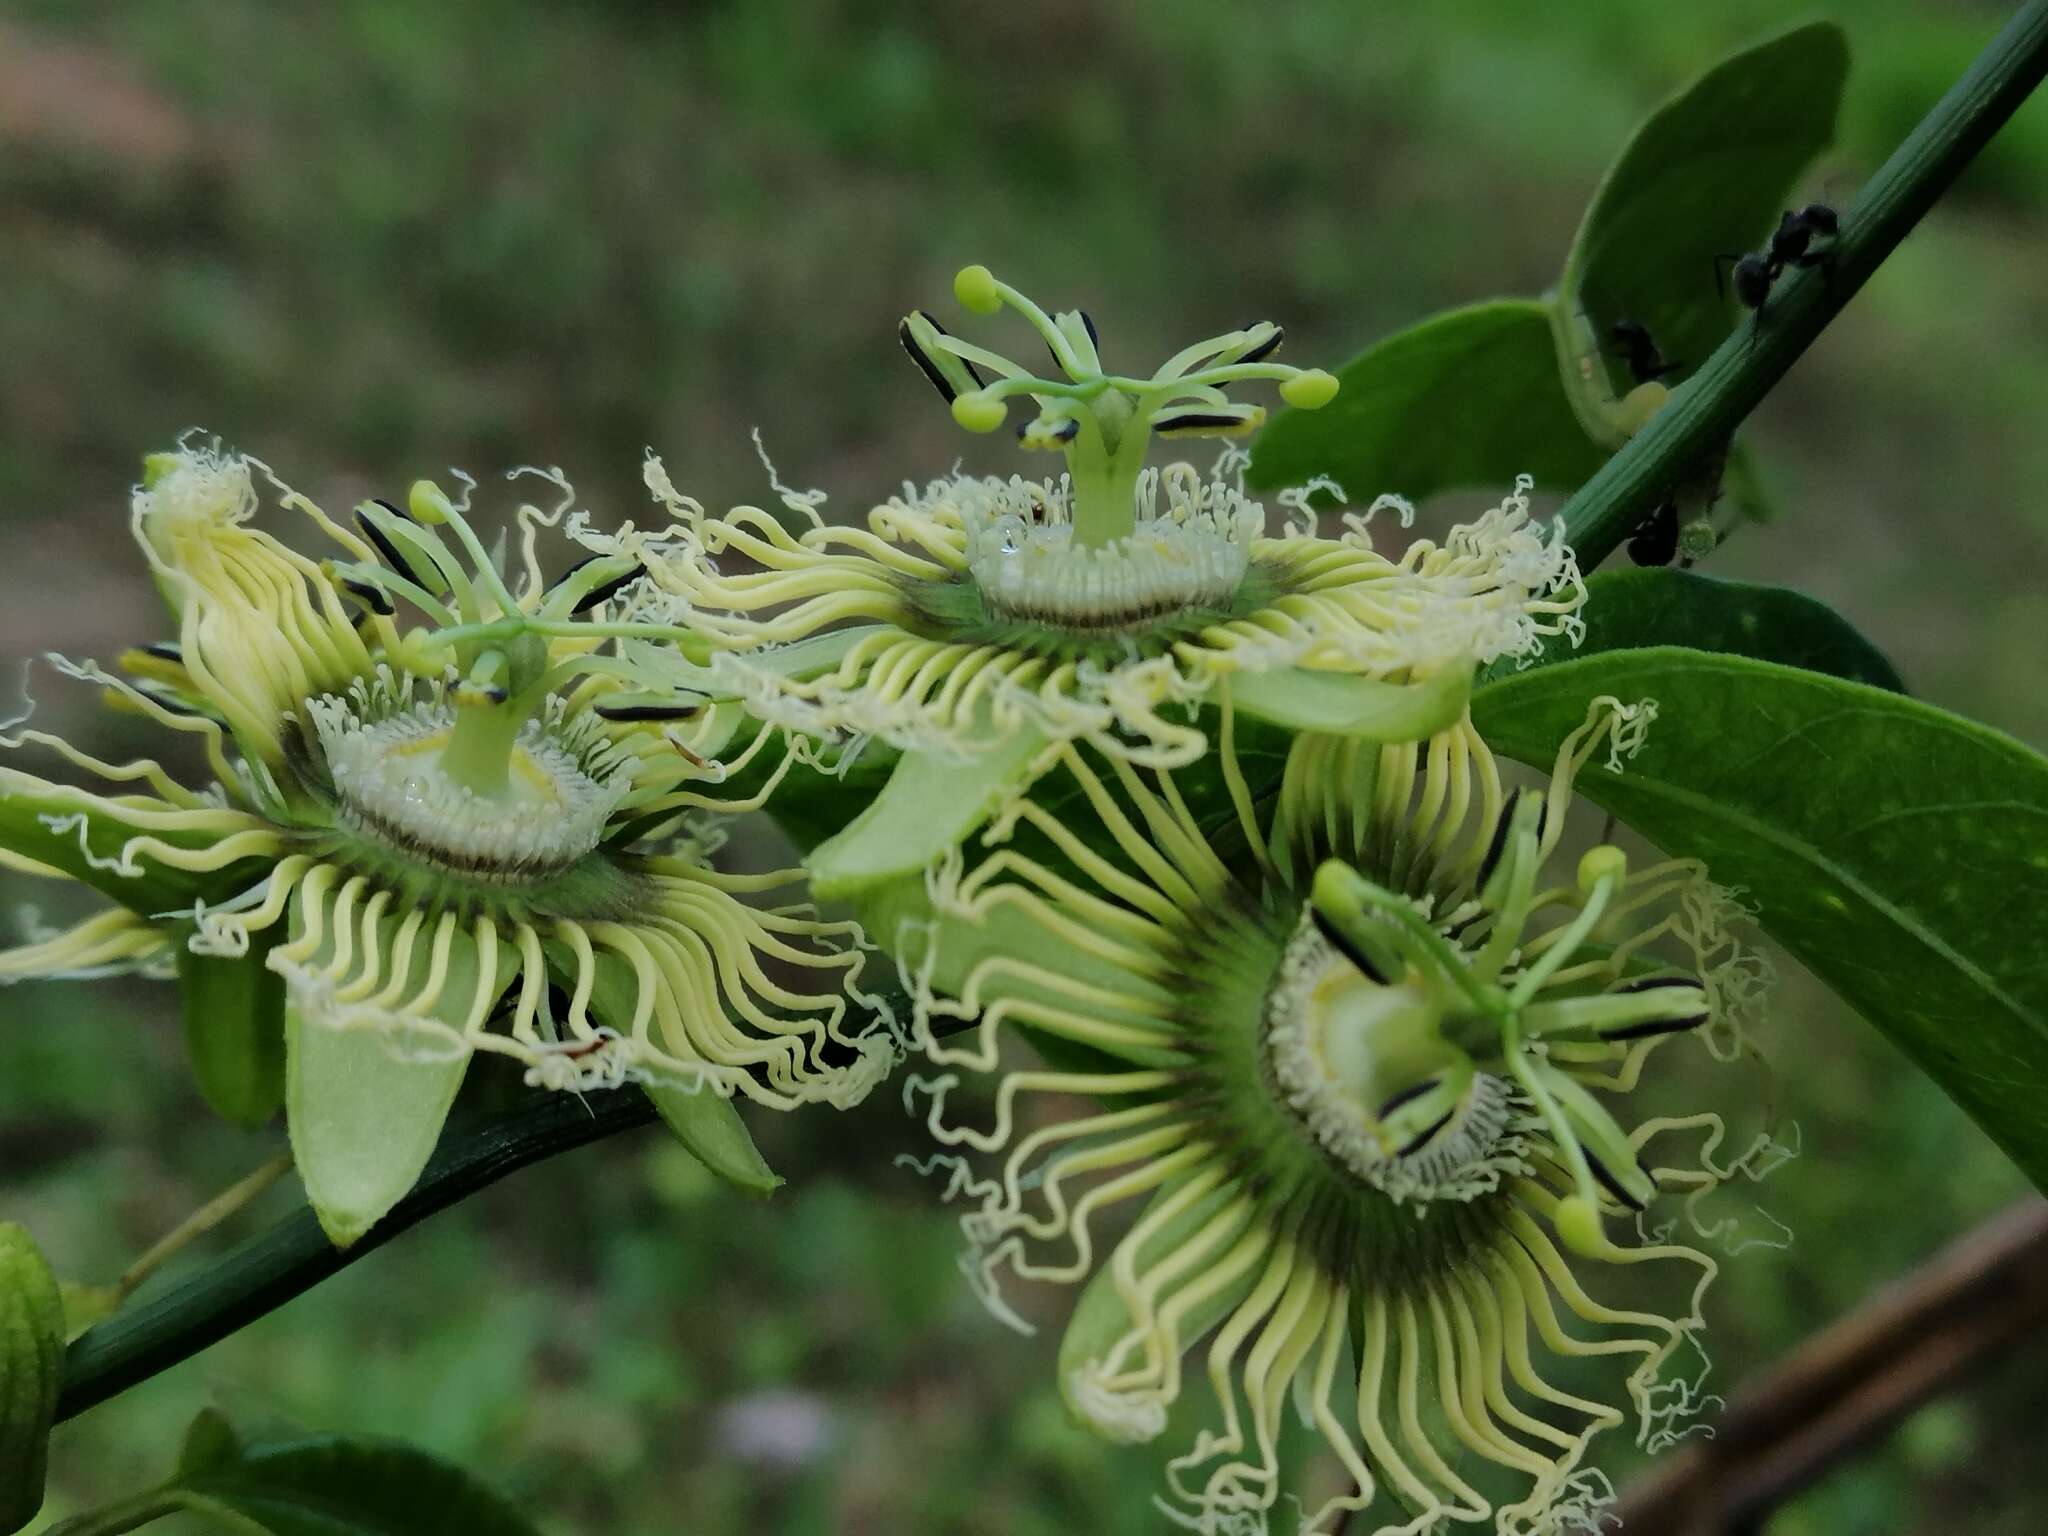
(1343, 705)
(1709, 172)
(1635, 609)
(363, 1114)
(31, 1369)
(330, 1485)
(928, 805)
(1899, 851)
(234, 1032)
(711, 1128)
(1470, 397)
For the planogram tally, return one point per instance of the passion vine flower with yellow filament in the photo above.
(1355, 1059)
(982, 618)
(467, 831)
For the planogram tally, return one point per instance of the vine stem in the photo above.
(1704, 412)
(293, 1256)
(271, 1268)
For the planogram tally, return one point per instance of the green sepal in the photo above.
(1101, 1316)
(707, 1123)
(929, 805)
(1341, 704)
(31, 1369)
(710, 1128)
(234, 1031)
(156, 888)
(363, 1118)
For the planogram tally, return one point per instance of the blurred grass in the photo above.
(372, 239)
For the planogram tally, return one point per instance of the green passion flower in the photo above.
(988, 616)
(1350, 1059)
(467, 831)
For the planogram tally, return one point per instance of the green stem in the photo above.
(1708, 407)
(270, 1269)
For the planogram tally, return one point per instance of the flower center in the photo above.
(1362, 1066)
(1190, 555)
(395, 788)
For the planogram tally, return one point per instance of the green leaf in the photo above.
(1900, 852)
(31, 1369)
(210, 1441)
(1470, 397)
(1709, 172)
(363, 1115)
(1634, 609)
(929, 804)
(332, 1485)
(234, 1032)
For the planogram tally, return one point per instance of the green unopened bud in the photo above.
(1309, 390)
(975, 287)
(31, 1367)
(428, 503)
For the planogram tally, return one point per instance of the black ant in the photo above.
(1791, 246)
(1655, 541)
(1645, 363)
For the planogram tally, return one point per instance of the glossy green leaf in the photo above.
(1899, 851)
(1635, 609)
(929, 804)
(31, 1368)
(1471, 397)
(331, 1486)
(234, 1032)
(1709, 172)
(363, 1114)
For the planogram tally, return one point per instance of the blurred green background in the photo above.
(368, 240)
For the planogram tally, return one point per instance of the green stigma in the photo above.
(1102, 422)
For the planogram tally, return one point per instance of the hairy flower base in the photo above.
(985, 618)
(1352, 1150)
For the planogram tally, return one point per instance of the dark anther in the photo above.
(633, 712)
(606, 589)
(385, 547)
(1497, 847)
(1065, 432)
(1198, 421)
(1406, 1095)
(1611, 1184)
(170, 703)
(163, 650)
(1650, 1027)
(1428, 1135)
(1652, 983)
(1346, 948)
(929, 368)
(375, 598)
(1266, 348)
(1088, 325)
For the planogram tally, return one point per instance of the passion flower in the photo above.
(982, 616)
(476, 833)
(1352, 1059)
